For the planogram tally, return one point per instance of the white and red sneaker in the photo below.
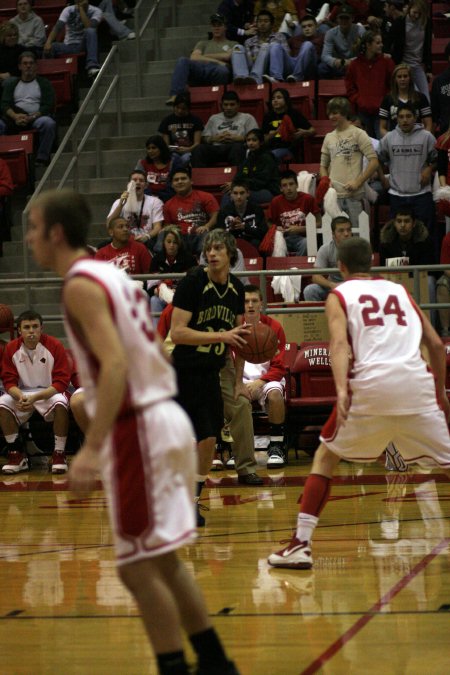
(17, 461)
(296, 556)
(59, 462)
(217, 463)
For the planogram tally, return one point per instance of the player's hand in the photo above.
(236, 336)
(83, 471)
(342, 407)
(351, 186)
(201, 229)
(240, 389)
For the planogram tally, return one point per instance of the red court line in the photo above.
(373, 611)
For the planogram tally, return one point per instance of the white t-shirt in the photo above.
(142, 222)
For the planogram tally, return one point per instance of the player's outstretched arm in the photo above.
(88, 309)
(339, 351)
(436, 352)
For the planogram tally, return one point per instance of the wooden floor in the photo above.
(377, 600)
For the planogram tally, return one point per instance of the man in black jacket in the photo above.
(242, 218)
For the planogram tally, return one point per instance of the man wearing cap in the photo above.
(208, 64)
(340, 46)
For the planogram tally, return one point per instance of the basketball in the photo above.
(262, 344)
(6, 319)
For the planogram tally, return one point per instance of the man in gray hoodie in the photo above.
(408, 151)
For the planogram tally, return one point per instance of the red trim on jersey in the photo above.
(132, 485)
(329, 430)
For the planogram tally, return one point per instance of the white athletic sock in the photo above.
(305, 526)
(60, 443)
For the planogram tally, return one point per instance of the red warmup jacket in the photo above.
(49, 368)
(368, 81)
(277, 368)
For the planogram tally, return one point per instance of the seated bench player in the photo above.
(265, 381)
(36, 375)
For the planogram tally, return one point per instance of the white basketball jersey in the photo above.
(388, 376)
(150, 377)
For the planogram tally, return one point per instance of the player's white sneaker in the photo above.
(16, 462)
(296, 556)
(59, 462)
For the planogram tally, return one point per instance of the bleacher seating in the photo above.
(312, 144)
(327, 89)
(62, 73)
(253, 99)
(205, 101)
(285, 263)
(252, 263)
(212, 178)
(17, 151)
(302, 96)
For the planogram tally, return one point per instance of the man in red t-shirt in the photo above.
(288, 212)
(124, 251)
(443, 287)
(193, 211)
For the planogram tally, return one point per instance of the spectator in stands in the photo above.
(321, 285)
(224, 135)
(288, 212)
(208, 64)
(36, 375)
(80, 22)
(340, 45)
(299, 62)
(259, 170)
(341, 158)
(30, 26)
(143, 213)
(283, 126)
(411, 43)
(440, 96)
(181, 130)
(193, 211)
(158, 166)
(443, 287)
(10, 50)
(241, 216)
(250, 62)
(403, 91)
(123, 251)
(410, 154)
(6, 189)
(238, 15)
(28, 102)
(393, 9)
(265, 381)
(284, 13)
(368, 79)
(118, 28)
(173, 259)
(407, 237)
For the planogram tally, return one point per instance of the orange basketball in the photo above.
(262, 344)
(6, 319)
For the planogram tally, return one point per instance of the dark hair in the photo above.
(175, 231)
(407, 106)
(162, 146)
(26, 55)
(240, 182)
(356, 254)
(182, 169)
(29, 315)
(368, 37)
(405, 211)
(289, 173)
(259, 133)
(447, 50)
(113, 221)
(339, 104)
(338, 220)
(139, 171)
(285, 94)
(251, 288)
(308, 17)
(230, 96)
(183, 98)
(219, 236)
(265, 12)
(70, 210)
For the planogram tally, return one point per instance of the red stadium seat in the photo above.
(302, 96)
(314, 396)
(252, 263)
(253, 99)
(312, 144)
(327, 90)
(285, 263)
(205, 101)
(61, 73)
(17, 151)
(213, 178)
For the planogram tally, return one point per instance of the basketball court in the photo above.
(376, 601)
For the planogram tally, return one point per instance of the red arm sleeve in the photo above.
(164, 321)
(61, 373)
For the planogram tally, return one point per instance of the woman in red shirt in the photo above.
(158, 164)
